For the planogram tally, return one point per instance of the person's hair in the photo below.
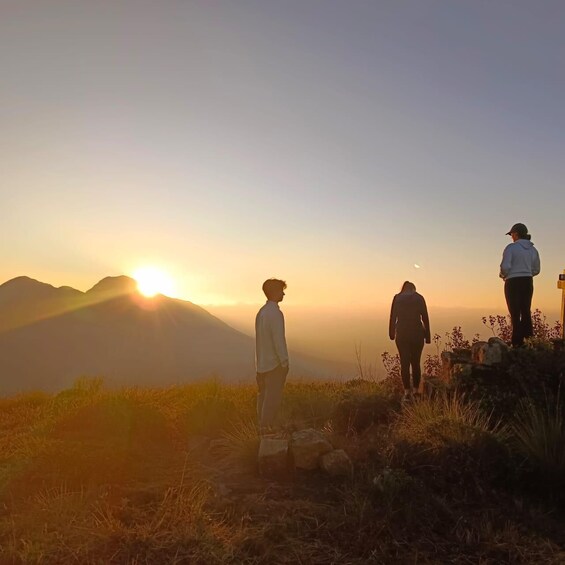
(272, 286)
(408, 286)
(525, 236)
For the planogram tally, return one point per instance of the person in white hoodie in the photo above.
(271, 354)
(520, 263)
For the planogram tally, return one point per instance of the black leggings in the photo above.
(410, 351)
(518, 292)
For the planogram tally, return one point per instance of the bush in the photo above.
(357, 412)
(531, 374)
(451, 443)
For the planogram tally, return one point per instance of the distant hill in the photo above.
(50, 336)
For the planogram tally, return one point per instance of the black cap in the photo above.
(520, 229)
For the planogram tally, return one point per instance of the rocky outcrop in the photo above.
(452, 363)
(307, 449)
(482, 354)
(489, 352)
(307, 446)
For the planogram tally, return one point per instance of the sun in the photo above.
(152, 281)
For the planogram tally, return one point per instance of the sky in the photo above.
(344, 146)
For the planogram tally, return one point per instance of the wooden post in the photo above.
(561, 285)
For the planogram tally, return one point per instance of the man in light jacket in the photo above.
(271, 354)
(520, 263)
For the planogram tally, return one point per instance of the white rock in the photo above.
(307, 446)
(273, 456)
(489, 353)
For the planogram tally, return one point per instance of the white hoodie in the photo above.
(520, 259)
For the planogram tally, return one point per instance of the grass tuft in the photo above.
(539, 436)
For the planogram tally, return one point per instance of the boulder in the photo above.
(336, 463)
(497, 341)
(463, 353)
(307, 446)
(273, 456)
(489, 353)
(449, 362)
(461, 370)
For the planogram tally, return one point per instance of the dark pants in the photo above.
(410, 351)
(518, 292)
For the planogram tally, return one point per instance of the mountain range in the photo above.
(51, 336)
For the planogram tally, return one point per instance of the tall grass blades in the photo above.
(238, 446)
(446, 419)
(539, 435)
(452, 444)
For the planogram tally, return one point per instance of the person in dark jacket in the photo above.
(409, 326)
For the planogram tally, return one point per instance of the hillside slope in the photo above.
(50, 336)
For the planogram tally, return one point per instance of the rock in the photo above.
(496, 340)
(273, 456)
(478, 346)
(489, 353)
(461, 370)
(336, 463)
(449, 361)
(463, 353)
(307, 446)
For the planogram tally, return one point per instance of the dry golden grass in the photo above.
(148, 475)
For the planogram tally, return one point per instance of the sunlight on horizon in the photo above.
(152, 281)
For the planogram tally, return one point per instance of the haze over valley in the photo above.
(337, 333)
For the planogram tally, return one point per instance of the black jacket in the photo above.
(409, 317)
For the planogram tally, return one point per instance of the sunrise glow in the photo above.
(152, 281)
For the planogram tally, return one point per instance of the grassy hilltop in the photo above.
(169, 475)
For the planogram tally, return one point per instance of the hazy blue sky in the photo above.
(334, 144)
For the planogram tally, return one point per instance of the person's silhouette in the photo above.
(409, 326)
(271, 354)
(520, 264)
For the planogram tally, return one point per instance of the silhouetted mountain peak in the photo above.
(114, 286)
(24, 288)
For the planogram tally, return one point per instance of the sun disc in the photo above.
(152, 281)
